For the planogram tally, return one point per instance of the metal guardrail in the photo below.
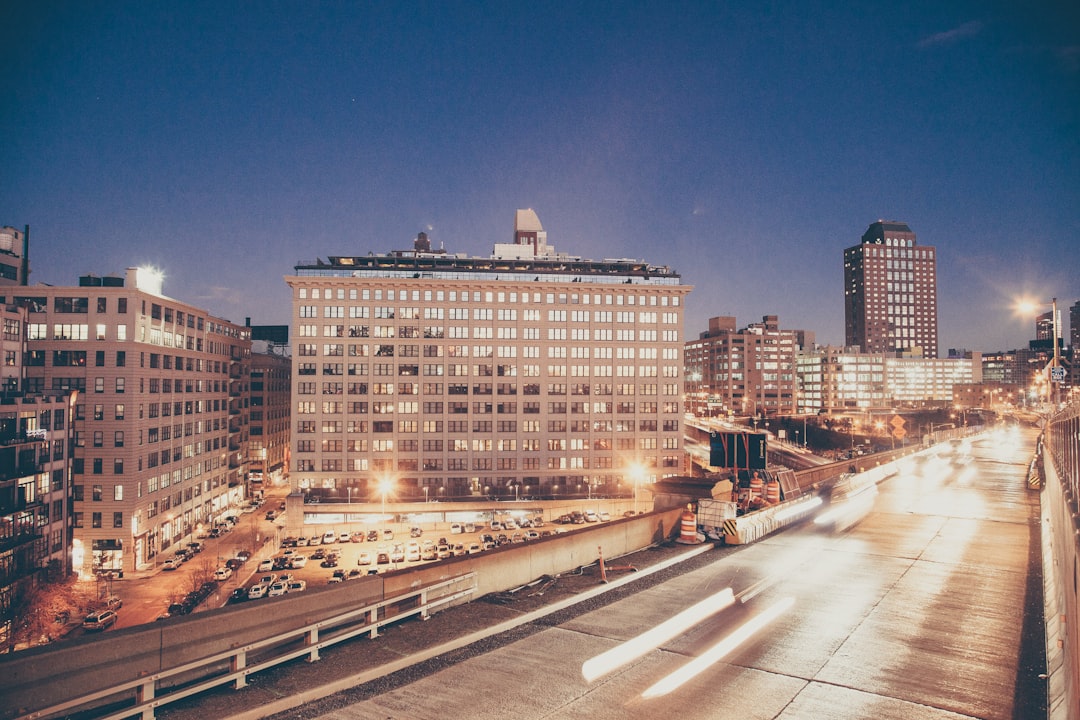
(155, 691)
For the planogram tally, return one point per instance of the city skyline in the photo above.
(744, 148)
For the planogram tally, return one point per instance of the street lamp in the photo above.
(1055, 370)
(636, 471)
(386, 485)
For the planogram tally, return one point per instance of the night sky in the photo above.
(743, 144)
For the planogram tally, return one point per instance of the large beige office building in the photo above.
(529, 373)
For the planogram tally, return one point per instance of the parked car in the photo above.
(442, 551)
(265, 566)
(256, 591)
(328, 537)
(473, 549)
(364, 558)
(297, 561)
(113, 602)
(277, 589)
(319, 554)
(195, 547)
(357, 536)
(297, 586)
(604, 515)
(338, 576)
(301, 541)
(416, 531)
(329, 562)
(372, 535)
(387, 534)
(343, 537)
(591, 516)
(222, 574)
(397, 553)
(509, 524)
(172, 563)
(457, 529)
(238, 595)
(100, 620)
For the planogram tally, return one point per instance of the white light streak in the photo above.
(627, 652)
(714, 654)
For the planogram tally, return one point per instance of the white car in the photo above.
(456, 529)
(265, 566)
(277, 589)
(257, 591)
(329, 537)
(222, 574)
(364, 559)
(297, 586)
(297, 562)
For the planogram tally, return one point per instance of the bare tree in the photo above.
(41, 610)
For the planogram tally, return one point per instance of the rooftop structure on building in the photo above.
(890, 293)
(529, 254)
(14, 255)
(528, 372)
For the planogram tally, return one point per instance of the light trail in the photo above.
(714, 654)
(632, 649)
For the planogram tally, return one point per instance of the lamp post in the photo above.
(1054, 370)
(386, 484)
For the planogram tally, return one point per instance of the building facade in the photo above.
(890, 293)
(527, 373)
(270, 403)
(837, 380)
(745, 372)
(160, 424)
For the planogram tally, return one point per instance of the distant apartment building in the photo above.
(270, 402)
(528, 373)
(838, 380)
(747, 372)
(890, 293)
(160, 424)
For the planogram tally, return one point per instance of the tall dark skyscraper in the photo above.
(890, 293)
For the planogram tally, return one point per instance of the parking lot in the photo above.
(328, 554)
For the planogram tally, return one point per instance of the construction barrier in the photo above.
(772, 492)
(761, 523)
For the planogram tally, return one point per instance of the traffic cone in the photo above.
(688, 534)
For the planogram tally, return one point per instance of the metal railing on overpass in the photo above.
(140, 697)
(1057, 469)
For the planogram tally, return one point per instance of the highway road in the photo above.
(916, 612)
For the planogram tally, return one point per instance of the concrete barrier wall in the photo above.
(55, 673)
(1060, 507)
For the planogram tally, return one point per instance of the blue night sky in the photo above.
(743, 144)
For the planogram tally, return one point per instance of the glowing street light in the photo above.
(636, 471)
(1054, 370)
(386, 486)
